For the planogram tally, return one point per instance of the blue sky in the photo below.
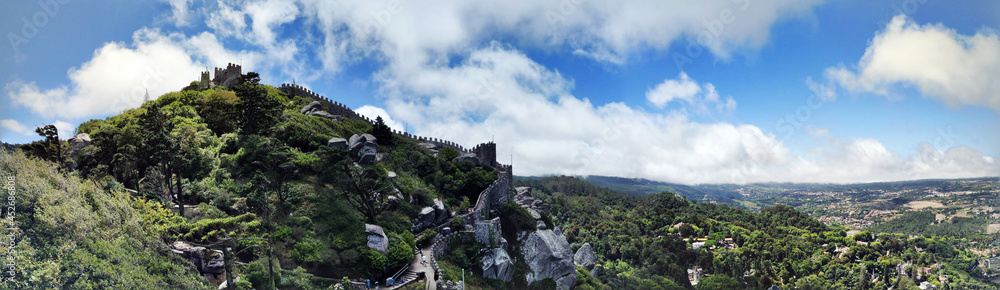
(810, 91)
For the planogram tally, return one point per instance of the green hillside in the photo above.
(242, 168)
(646, 243)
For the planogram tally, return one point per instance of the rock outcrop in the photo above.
(497, 264)
(425, 219)
(440, 213)
(430, 216)
(316, 109)
(209, 263)
(377, 239)
(365, 147)
(488, 232)
(79, 141)
(471, 157)
(337, 143)
(585, 257)
(549, 256)
(76, 143)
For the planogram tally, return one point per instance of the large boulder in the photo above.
(425, 219)
(488, 232)
(337, 143)
(208, 262)
(76, 143)
(585, 257)
(324, 114)
(471, 157)
(357, 141)
(496, 264)
(428, 145)
(377, 239)
(314, 106)
(548, 255)
(79, 141)
(440, 213)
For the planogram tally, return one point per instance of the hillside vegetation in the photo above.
(82, 234)
(646, 243)
(238, 168)
(243, 171)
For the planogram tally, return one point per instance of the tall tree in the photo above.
(50, 148)
(365, 188)
(159, 148)
(259, 111)
(382, 132)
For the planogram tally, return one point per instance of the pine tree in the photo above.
(382, 132)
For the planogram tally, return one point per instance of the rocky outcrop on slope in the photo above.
(546, 251)
(316, 109)
(549, 256)
(209, 262)
(430, 216)
(585, 257)
(497, 264)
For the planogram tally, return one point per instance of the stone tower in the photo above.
(205, 82)
(487, 153)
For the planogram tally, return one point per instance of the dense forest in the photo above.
(647, 243)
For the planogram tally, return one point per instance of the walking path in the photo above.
(417, 267)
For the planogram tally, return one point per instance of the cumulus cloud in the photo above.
(179, 12)
(16, 127)
(498, 92)
(116, 78)
(373, 112)
(66, 130)
(604, 31)
(699, 97)
(266, 16)
(118, 75)
(438, 70)
(226, 21)
(958, 69)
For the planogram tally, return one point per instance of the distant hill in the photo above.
(737, 194)
(642, 187)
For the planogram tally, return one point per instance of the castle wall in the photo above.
(486, 151)
(229, 76)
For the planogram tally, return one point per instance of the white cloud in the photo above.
(373, 112)
(266, 16)
(958, 69)
(823, 91)
(412, 33)
(116, 78)
(682, 88)
(438, 73)
(226, 21)
(16, 127)
(66, 129)
(498, 92)
(697, 97)
(118, 75)
(180, 14)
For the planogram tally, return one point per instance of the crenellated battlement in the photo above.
(228, 76)
(486, 151)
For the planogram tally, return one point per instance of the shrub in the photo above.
(256, 273)
(514, 219)
(427, 238)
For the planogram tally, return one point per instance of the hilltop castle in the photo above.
(227, 77)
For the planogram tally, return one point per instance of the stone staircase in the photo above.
(409, 276)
